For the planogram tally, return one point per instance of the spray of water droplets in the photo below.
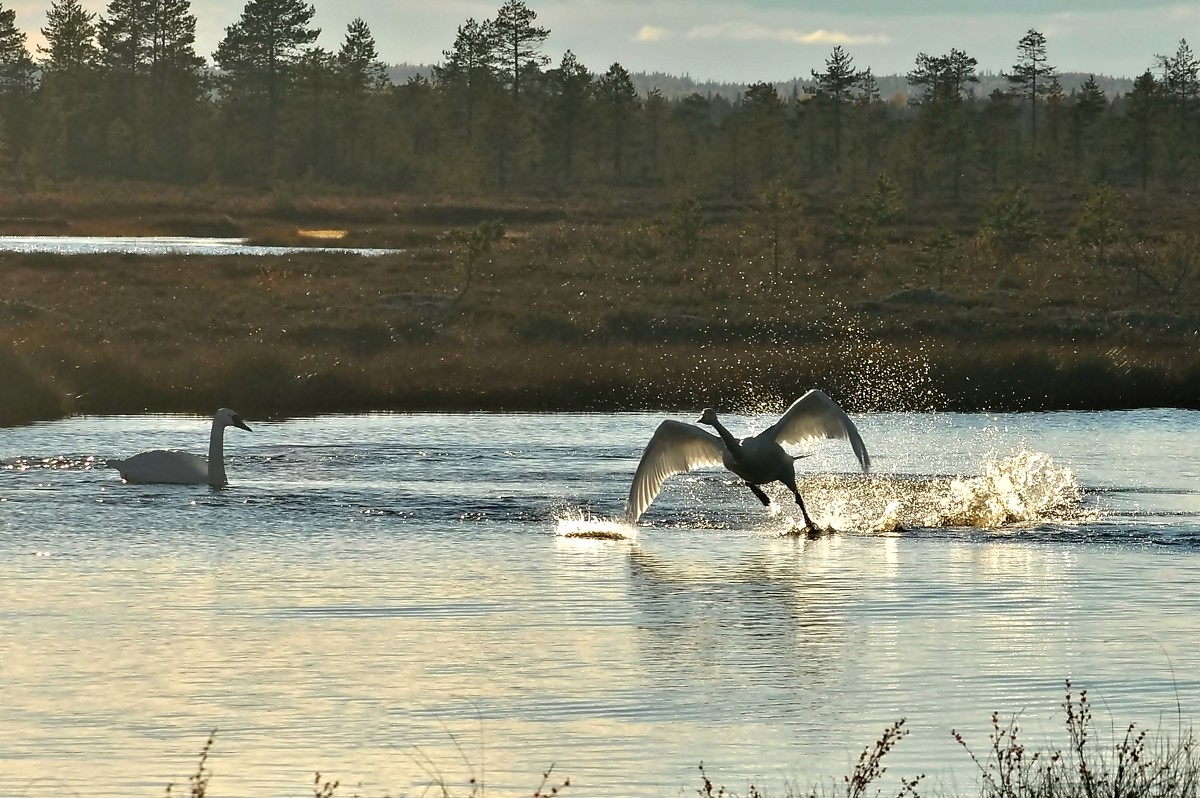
(1020, 489)
(573, 523)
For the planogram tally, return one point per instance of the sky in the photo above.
(751, 40)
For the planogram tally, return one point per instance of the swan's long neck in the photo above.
(731, 443)
(216, 455)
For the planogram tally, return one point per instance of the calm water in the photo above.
(396, 599)
(159, 245)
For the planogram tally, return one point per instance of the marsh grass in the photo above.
(591, 304)
(1089, 763)
(198, 781)
(1125, 764)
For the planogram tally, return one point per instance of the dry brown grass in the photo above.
(582, 305)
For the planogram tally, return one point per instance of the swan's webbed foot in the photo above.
(810, 527)
(809, 530)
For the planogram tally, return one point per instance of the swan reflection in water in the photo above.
(762, 629)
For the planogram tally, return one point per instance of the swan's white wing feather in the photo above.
(163, 466)
(675, 447)
(815, 415)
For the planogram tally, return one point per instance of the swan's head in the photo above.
(229, 418)
(709, 417)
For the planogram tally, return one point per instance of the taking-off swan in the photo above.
(676, 447)
(181, 468)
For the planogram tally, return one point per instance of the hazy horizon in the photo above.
(752, 40)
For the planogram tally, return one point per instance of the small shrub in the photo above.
(1011, 222)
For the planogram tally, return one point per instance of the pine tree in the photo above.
(1180, 75)
(833, 91)
(358, 59)
(619, 101)
(177, 84)
(16, 66)
(1087, 107)
(70, 35)
(763, 113)
(571, 90)
(310, 134)
(362, 81)
(946, 84)
(66, 138)
(258, 59)
(871, 116)
(1145, 102)
(1179, 88)
(1090, 100)
(124, 39)
(693, 114)
(517, 45)
(1032, 78)
(467, 73)
(998, 124)
(944, 81)
(153, 75)
(17, 84)
(655, 112)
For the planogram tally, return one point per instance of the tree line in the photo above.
(125, 95)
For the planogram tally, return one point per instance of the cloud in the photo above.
(751, 31)
(651, 33)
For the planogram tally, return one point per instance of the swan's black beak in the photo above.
(237, 422)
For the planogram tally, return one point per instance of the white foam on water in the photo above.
(1022, 488)
(579, 524)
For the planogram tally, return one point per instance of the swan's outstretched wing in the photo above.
(815, 415)
(674, 447)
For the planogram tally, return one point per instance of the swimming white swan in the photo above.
(181, 468)
(676, 447)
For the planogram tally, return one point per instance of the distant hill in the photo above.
(890, 86)
(401, 73)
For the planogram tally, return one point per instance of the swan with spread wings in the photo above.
(759, 459)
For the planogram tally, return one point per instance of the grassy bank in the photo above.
(605, 303)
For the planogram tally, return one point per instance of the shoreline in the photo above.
(1037, 382)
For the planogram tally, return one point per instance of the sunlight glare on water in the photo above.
(395, 599)
(163, 245)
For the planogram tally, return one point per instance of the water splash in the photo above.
(1024, 487)
(575, 523)
(854, 513)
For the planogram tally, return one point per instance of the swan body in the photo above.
(172, 467)
(759, 459)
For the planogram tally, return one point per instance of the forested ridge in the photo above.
(124, 94)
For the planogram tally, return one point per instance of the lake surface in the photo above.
(394, 600)
(160, 245)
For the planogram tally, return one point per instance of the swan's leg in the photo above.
(808, 522)
(762, 497)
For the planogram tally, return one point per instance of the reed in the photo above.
(1087, 763)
